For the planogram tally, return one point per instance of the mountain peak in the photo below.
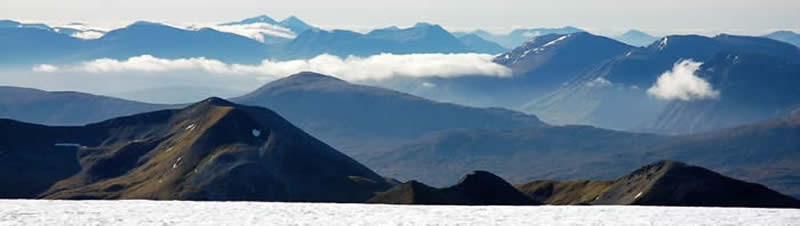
(258, 19)
(309, 76)
(200, 152)
(477, 188)
(145, 23)
(423, 24)
(9, 24)
(302, 80)
(482, 178)
(295, 24)
(292, 19)
(636, 38)
(216, 101)
(633, 32)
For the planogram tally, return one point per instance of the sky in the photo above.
(747, 17)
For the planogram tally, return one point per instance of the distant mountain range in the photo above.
(728, 62)
(248, 41)
(27, 46)
(582, 78)
(421, 38)
(539, 66)
(518, 36)
(785, 36)
(478, 44)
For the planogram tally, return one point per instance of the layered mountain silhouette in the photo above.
(137, 39)
(252, 20)
(33, 44)
(421, 38)
(363, 119)
(38, 46)
(65, 108)
(539, 66)
(476, 188)
(785, 36)
(664, 183)
(628, 77)
(519, 36)
(275, 32)
(519, 155)
(751, 87)
(351, 117)
(636, 38)
(763, 152)
(478, 44)
(211, 150)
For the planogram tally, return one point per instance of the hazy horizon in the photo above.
(658, 18)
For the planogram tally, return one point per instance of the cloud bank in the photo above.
(681, 83)
(45, 68)
(375, 67)
(88, 34)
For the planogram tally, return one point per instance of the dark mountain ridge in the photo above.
(211, 150)
(763, 152)
(476, 188)
(664, 183)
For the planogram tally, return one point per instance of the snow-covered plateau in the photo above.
(138, 212)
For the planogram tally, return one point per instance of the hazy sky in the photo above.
(604, 17)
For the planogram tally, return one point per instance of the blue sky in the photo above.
(603, 17)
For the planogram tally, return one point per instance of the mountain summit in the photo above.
(636, 38)
(663, 183)
(354, 117)
(210, 150)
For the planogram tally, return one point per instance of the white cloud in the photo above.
(681, 83)
(85, 31)
(45, 68)
(375, 67)
(88, 34)
(256, 31)
(148, 63)
(599, 82)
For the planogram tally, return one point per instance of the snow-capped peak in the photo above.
(663, 43)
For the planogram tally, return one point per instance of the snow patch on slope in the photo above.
(138, 212)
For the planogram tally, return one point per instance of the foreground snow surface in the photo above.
(136, 212)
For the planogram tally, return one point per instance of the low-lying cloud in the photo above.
(257, 31)
(45, 68)
(681, 83)
(375, 67)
